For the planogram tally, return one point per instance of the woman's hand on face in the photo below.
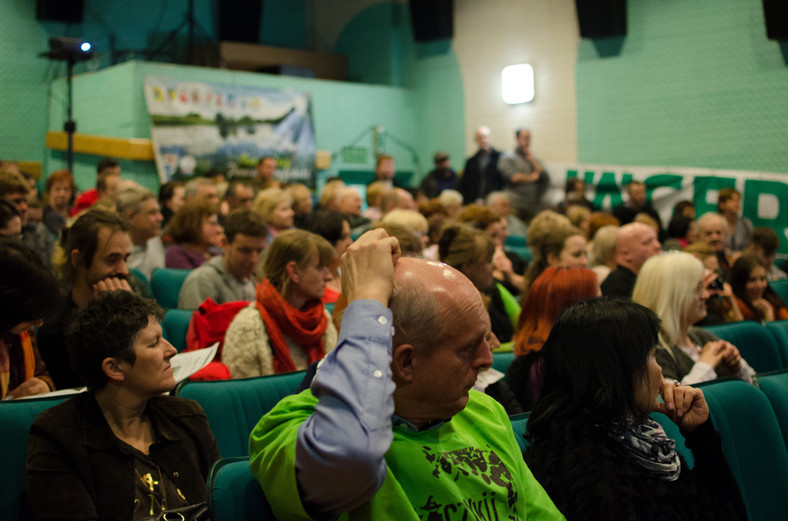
(765, 307)
(712, 353)
(685, 406)
(501, 262)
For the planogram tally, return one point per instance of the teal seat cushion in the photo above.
(175, 325)
(234, 407)
(781, 288)
(501, 361)
(16, 417)
(166, 284)
(775, 387)
(234, 493)
(756, 344)
(519, 421)
(753, 445)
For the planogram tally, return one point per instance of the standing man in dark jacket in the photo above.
(481, 170)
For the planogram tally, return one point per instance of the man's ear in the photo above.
(293, 273)
(113, 369)
(74, 258)
(402, 362)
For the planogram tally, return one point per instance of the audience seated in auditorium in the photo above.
(201, 188)
(59, 196)
(441, 178)
(451, 201)
(410, 245)
(328, 196)
(196, 234)
(349, 204)
(275, 206)
(509, 267)
(95, 255)
(721, 306)
(139, 208)
(739, 228)
(286, 327)
(14, 189)
(599, 219)
(171, 199)
(228, 277)
(564, 246)
(764, 243)
(551, 293)
(713, 229)
(335, 228)
(414, 221)
(602, 257)
(575, 194)
(594, 447)
(107, 182)
(580, 217)
(239, 194)
(302, 203)
(371, 438)
(682, 231)
(266, 172)
(673, 286)
(499, 202)
(470, 251)
(755, 298)
(10, 220)
(374, 194)
(122, 450)
(636, 203)
(481, 175)
(685, 208)
(635, 244)
(28, 294)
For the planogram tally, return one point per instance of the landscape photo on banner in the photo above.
(764, 197)
(199, 127)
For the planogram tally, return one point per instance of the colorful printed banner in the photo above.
(764, 195)
(197, 127)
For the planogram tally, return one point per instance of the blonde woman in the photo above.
(673, 286)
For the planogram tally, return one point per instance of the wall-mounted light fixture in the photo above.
(517, 84)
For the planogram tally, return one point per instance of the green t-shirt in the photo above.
(468, 468)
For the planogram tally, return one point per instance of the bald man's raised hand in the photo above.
(368, 267)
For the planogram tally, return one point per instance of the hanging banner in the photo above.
(764, 195)
(198, 127)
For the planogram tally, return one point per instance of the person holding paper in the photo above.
(121, 450)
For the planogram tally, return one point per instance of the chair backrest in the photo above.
(16, 417)
(775, 387)
(756, 344)
(233, 493)
(142, 282)
(234, 407)
(753, 446)
(779, 330)
(166, 283)
(781, 288)
(501, 361)
(175, 325)
(519, 421)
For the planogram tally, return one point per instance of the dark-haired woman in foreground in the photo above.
(121, 450)
(593, 446)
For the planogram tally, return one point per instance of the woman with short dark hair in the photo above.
(122, 450)
(594, 447)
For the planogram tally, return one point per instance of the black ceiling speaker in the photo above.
(68, 11)
(776, 14)
(601, 18)
(432, 19)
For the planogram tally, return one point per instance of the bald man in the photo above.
(635, 244)
(481, 175)
(371, 438)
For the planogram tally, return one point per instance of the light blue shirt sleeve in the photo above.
(340, 449)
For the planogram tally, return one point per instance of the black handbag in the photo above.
(196, 512)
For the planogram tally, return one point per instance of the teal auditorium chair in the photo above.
(166, 284)
(753, 445)
(16, 417)
(775, 387)
(756, 344)
(519, 421)
(781, 288)
(233, 493)
(175, 325)
(779, 330)
(234, 407)
(501, 362)
(142, 282)
(518, 244)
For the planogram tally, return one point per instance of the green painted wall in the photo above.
(694, 84)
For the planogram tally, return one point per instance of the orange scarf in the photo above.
(306, 327)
